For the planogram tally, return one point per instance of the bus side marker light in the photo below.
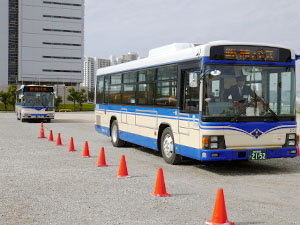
(203, 154)
(219, 215)
(160, 187)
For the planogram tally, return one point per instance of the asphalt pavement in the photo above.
(41, 183)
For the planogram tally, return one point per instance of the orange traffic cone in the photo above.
(42, 125)
(58, 141)
(86, 152)
(123, 168)
(42, 134)
(220, 215)
(71, 145)
(50, 136)
(298, 152)
(160, 188)
(101, 160)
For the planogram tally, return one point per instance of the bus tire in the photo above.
(167, 147)
(115, 139)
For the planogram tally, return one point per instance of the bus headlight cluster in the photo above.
(213, 142)
(291, 139)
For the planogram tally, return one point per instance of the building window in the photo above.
(59, 30)
(61, 3)
(62, 71)
(62, 17)
(64, 44)
(59, 57)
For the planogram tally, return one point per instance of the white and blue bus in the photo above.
(212, 102)
(35, 102)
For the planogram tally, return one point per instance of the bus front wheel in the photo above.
(167, 147)
(115, 139)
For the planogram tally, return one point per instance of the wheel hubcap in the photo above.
(114, 133)
(168, 146)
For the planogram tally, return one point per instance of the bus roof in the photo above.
(175, 53)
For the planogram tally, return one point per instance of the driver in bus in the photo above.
(239, 92)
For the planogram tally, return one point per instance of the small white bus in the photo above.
(35, 102)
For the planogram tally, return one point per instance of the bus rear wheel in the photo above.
(115, 139)
(167, 147)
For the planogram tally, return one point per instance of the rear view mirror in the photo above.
(193, 81)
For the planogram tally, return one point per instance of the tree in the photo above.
(91, 96)
(57, 101)
(4, 96)
(81, 98)
(72, 96)
(12, 95)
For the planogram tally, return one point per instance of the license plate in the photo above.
(257, 154)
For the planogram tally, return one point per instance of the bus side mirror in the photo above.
(297, 57)
(21, 96)
(193, 79)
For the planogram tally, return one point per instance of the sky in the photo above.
(116, 27)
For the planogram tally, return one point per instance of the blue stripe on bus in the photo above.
(244, 127)
(194, 153)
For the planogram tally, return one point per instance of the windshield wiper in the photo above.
(267, 106)
(256, 98)
(235, 118)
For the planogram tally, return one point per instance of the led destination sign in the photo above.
(250, 53)
(38, 89)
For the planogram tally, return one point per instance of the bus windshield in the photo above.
(38, 99)
(242, 92)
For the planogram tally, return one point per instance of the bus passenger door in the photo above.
(188, 126)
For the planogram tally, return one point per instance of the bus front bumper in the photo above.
(229, 154)
(38, 116)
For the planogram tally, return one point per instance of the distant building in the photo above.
(91, 64)
(41, 41)
(130, 56)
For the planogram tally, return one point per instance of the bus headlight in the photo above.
(213, 142)
(292, 143)
(291, 139)
(214, 145)
(292, 136)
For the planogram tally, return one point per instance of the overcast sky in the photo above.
(115, 27)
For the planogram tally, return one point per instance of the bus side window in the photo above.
(166, 86)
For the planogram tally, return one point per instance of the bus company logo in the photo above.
(256, 133)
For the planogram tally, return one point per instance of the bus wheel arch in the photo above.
(114, 133)
(166, 144)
